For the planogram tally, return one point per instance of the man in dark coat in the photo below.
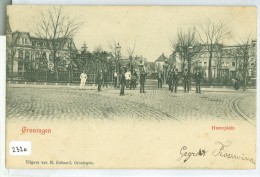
(105, 78)
(186, 81)
(170, 79)
(176, 80)
(160, 79)
(133, 80)
(142, 80)
(99, 79)
(122, 81)
(197, 79)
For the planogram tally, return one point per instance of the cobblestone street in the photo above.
(54, 102)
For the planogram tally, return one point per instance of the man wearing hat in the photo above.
(197, 78)
(122, 81)
(160, 79)
(176, 80)
(99, 80)
(142, 80)
(83, 78)
(186, 81)
(170, 79)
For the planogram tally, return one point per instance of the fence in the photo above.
(61, 77)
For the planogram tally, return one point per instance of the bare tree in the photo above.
(211, 34)
(184, 40)
(247, 53)
(131, 53)
(55, 28)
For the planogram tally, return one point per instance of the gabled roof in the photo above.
(161, 58)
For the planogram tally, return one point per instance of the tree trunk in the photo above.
(55, 62)
(12, 68)
(245, 71)
(210, 60)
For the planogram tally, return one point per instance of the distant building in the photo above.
(175, 61)
(160, 62)
(227, 61)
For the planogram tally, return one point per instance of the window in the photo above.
(37, 55)
(43, 56)
(252, 64)
(233, 63)
(205, 63)
(20, 54)
(27, 55)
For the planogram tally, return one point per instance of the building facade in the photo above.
(26, 53)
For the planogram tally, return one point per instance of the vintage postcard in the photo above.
(133, 87)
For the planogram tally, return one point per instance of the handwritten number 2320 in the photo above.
(19, 149)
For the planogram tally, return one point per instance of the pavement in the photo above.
(52, 102)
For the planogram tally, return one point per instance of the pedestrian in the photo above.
(133, 80)
(127, 78)
(115, 79)
(142, 80)
(236, 84)
(122, 81)
(170, 79)
(105, 79)
(160, 79)
(99, 79)
(83, 78)
(186, 81)
(176, 80)
(197, 79)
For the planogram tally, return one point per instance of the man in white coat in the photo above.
(127, 78)
(83, 78)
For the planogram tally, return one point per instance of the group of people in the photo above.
(127, 78)
(173, 78)
(130, 79)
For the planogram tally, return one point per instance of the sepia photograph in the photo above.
(135, 87)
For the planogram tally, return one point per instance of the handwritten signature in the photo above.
(220, 151)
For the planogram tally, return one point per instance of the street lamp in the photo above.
(118, 50)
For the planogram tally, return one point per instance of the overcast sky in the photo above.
(151, 27)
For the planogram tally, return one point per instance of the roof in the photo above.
(161, 58)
